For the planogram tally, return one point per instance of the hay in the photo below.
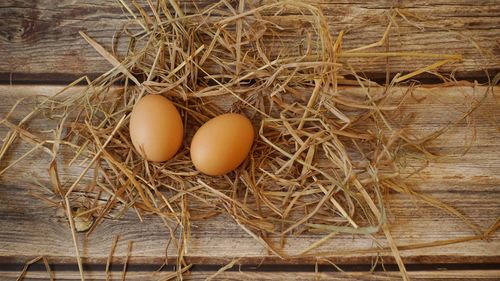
(324, 156)
(49, 271)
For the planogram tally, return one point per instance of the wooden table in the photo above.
(41, 49)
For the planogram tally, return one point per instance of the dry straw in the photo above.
(323, 160)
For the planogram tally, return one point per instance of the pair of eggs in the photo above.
(218, 147)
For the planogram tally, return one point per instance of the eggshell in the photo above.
(222, 144)
(156, 128)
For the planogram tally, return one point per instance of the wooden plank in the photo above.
(469, 275)
(30, 227)
(40, 41)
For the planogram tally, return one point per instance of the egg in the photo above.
(222, 144)
(156, 128)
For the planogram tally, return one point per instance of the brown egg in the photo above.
(222, 144)
(156, 128)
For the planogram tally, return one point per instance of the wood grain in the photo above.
(40, 41)
(458, 275)
(31, 227)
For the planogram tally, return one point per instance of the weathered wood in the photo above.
(30, 227)
(40, 41)
(466, 275)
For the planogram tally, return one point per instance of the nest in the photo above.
(324, 157)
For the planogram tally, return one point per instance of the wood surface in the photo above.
(39, 40)
(470, 183)
(40, 44)
(444, 275)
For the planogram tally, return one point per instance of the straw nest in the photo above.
(324, 155)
